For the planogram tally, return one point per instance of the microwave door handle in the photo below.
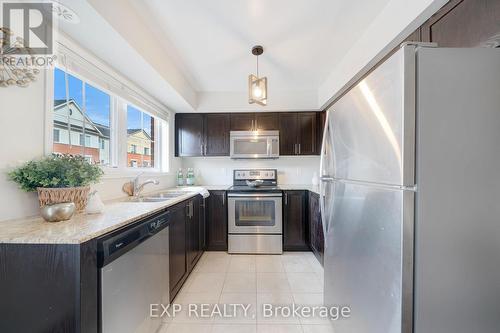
(269, 147)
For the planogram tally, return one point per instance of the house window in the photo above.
(84, 112)
(140, 137)
(85, 142)
(57, 135)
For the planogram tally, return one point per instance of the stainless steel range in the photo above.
(255, 212)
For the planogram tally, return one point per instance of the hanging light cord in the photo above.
(257, 66)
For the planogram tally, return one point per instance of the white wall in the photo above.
(219, 170)
(238, 101)
(23, 125)
(22, 115)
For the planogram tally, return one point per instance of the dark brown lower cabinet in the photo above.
(216, 221)
(193, 250)
(316, 237)
(177, 245)
(295, 231)
(49, 287)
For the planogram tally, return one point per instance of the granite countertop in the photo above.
(306, 187)
(117, 213)
(83, 227)
(309, 187)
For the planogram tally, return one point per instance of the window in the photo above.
(82, 112)
(93, 122)
(57, 135)
(140, 138)
(86, 142)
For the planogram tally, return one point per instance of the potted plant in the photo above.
(58, 179)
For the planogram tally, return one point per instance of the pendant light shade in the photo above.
(257, 86)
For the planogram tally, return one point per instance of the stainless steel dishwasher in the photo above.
(134, 273)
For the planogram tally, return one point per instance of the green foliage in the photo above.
(56, 171)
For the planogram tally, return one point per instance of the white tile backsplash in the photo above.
(219, 170)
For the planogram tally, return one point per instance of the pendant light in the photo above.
(257, 87)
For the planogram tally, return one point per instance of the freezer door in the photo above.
(373, 125)
(368, 261)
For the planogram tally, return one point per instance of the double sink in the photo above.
(159, 197)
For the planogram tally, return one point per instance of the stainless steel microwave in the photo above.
(254, 144)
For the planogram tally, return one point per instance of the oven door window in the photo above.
(253, 213)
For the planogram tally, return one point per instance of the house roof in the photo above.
(133, 131)
(102, 129)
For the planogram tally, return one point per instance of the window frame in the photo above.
(117, 167)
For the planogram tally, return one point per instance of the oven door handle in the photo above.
(254, 195)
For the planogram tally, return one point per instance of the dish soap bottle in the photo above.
(190, 177)
(180, 178)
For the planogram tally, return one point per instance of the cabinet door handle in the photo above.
(299, 148)
(205, 149)
(286, 199)
(201, 149)
(223, 200)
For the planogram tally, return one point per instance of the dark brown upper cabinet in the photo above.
(216, 134)
(288, 133)
(202, 134)
(189, 134)
(299, 133)
(464, 23)
(242, 121)
(263, 121)
(266, 121)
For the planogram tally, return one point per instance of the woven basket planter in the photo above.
(77, 195)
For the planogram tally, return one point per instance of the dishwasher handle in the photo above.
(118, 243)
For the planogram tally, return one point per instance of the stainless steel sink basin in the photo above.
(159, 197)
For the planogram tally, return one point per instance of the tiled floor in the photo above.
(220, 278)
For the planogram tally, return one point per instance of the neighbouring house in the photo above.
(139, 148)
(76, 133)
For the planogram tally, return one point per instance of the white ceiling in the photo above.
(195, 55)
(302, 39)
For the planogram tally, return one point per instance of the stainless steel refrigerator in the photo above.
(410, 188)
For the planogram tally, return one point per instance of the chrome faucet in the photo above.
(138, 187)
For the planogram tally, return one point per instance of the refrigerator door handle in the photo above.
(323, 178)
